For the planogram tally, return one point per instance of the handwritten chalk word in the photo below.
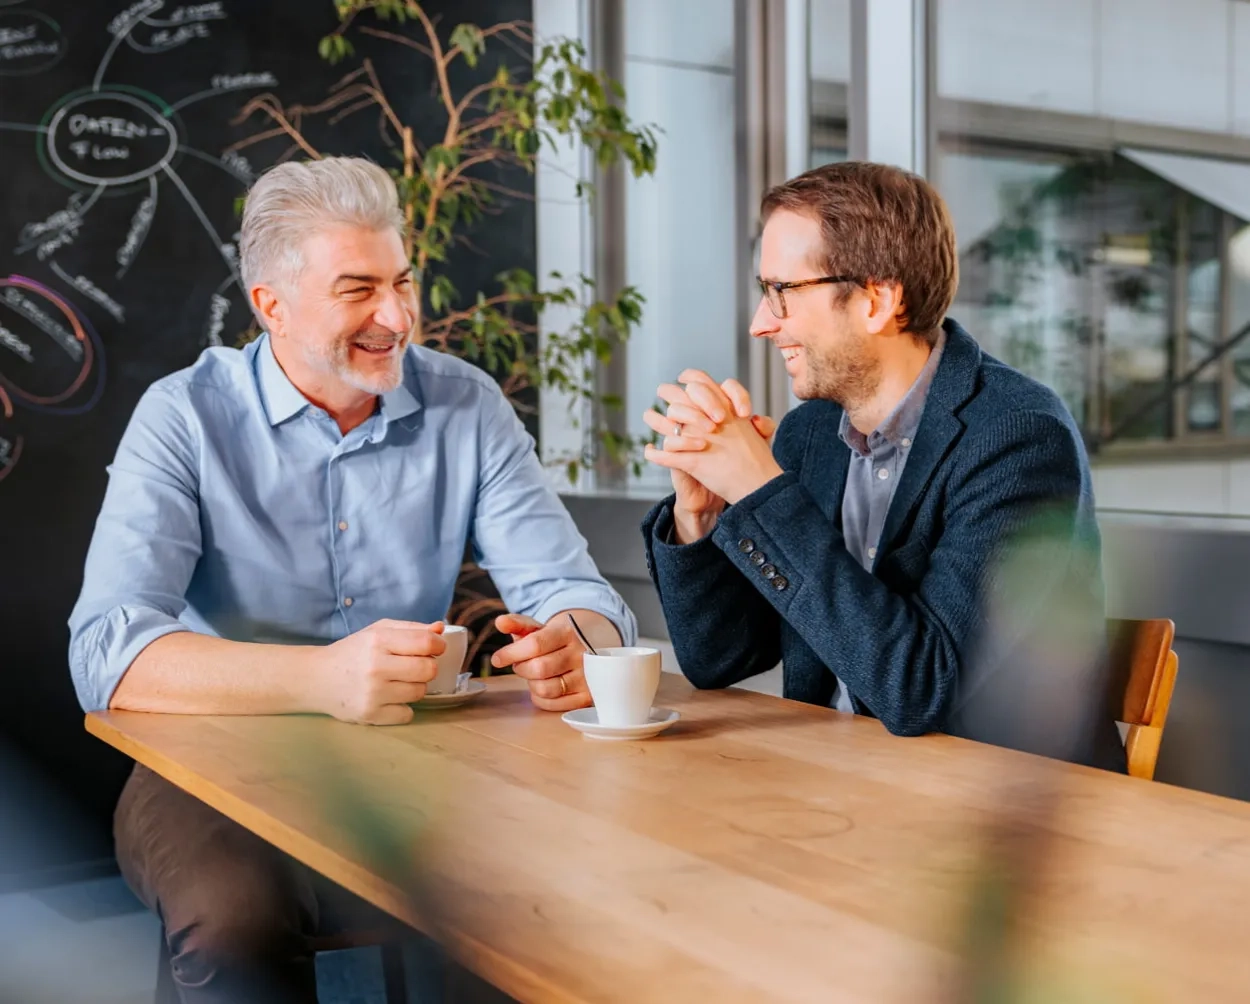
(50, 235)
(196, 12)
(108, 125)
(89, 288)
(239, 164)
(238, 81)
(48, 325)
(166, 39)
(11, 36)
(84, 150)
(14, 344)
(51, 247)
(138, 231)
(10, 53)
(217, 312)
(127, 19)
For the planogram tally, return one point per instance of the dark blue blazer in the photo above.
(942, 634)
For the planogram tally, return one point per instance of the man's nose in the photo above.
(764, 323)
(393, 314)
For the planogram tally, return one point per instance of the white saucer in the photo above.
(586, 721)
(472, 689)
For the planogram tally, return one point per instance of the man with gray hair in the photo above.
(282, 532)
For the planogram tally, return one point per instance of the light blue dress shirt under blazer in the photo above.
(236, 508)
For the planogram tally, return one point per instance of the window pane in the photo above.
(1066, 265)
(1095, 266)
(1239, 326)
(1131, 224)
(829, 60)
(682, 251)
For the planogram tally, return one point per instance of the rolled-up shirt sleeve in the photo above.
(524, 536)
(143, 552)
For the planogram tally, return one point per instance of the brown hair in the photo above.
(880, 224)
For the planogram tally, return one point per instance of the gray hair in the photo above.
(290, 202)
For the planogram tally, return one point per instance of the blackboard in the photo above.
(118, 264)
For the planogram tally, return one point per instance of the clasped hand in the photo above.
(716, 449)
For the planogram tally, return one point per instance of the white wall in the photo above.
(1181, 63)
(1189, 487)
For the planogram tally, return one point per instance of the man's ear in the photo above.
(885, 303)
(270, 308)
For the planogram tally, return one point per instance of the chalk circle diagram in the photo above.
(114, 137)
(52, 352)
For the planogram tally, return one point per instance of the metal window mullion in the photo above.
(1180, 319)
(607, 32)
(1225, 327)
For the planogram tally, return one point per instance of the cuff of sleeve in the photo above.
(101, 659)
(608, 604)
(678, 557)
(748, 533)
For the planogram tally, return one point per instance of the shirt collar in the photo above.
(283, 400)
(400, 402)
(901, 425)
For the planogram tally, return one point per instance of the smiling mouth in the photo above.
(789, 353)
(375, 348)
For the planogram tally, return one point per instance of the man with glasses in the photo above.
(869, 548)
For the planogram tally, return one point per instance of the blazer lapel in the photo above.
(825, 462)
(953, 384)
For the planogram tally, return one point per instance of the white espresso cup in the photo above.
(451, 662)
(622, 683)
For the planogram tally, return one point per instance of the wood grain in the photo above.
(759, 850)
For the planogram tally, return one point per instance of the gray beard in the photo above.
(336, 361)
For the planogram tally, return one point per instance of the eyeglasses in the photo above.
(774, 292)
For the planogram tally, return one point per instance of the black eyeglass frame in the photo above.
(780, 287)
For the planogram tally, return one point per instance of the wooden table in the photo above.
(760, 850)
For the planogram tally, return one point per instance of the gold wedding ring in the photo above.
(564, 687)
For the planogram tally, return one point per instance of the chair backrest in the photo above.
(1143, 670)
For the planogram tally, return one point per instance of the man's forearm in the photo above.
(195, 674)
(599, 631)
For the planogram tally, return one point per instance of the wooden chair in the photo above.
(1143, 667)
(392, 963)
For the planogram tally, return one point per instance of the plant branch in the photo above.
(270, 105)
(394, 36)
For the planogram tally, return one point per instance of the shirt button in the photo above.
(780, 583)
(906, 441)
(347, 601)
(769, 572)
(746, 545)
(883, 473)
(342, 524)
(872, 552)
(759, 558)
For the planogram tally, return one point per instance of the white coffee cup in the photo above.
(622, 683)
(451, 662)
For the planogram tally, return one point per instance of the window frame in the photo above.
(981, 129)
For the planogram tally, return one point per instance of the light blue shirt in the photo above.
(236, 508)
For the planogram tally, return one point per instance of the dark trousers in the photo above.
(239, 914)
